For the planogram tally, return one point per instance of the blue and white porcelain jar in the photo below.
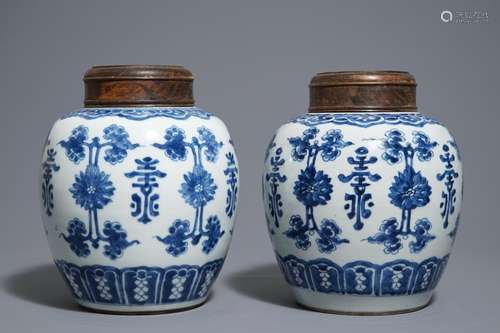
(363, 196)
(139, 192)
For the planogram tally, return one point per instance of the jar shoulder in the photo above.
(142, 121)
(364, 125)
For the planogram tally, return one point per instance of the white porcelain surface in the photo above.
(318, 247)
(143, 274)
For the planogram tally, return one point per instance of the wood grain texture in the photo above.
(138, 85)
(362, 91)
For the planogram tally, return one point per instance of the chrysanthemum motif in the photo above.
(409, 190)
(313, 187)
(174, 146)
(92, 189)
(198, 187)
(74, 145)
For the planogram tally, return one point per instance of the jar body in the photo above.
(362, 208)
(138, 205)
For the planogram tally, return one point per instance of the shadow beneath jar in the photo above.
(40, 285)
(264, 283)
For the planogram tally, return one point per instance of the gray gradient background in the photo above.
(252, 62)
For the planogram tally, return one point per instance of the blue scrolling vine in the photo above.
(146, 174)
(93, 189)
(358, 204)
(409, 190)
(49, 166)
(313, 188)
(197, 190)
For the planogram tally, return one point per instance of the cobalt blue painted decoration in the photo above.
(197, 190)
(448, 176)
(231, 173)
(49, 167)
(139, 285)
(275, 178)
(409, 191)
(313, 188)
(145, 206)
(93, 189)
(178, 113)
(365, 120)
(359, 203)
(398, 277)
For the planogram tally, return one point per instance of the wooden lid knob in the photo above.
(138, 85)
(362, 91)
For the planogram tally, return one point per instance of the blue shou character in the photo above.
(93, 189)
(49, 167)
(197, 190)
(313, 188)
(274, 179)
(448, 176)
(146, 176)
(231, 173)
(409, 190)
(359, 203)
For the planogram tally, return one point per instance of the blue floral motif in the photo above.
(214, 233)
(49, 166)
(93, 189)
(231, 173)
(448, 176)
(174, 146)
(197, 190)
(198, 187)
(146, 206)
(74, 146)
(358, 204)
(211, 145)
(77, 238)
(116, 238)
(365, 120)
(138, 114)
(298, 231)
(314, 188)
(274, 178)
(329, 236)
(117, 139)
(409, 190)
(176, 240)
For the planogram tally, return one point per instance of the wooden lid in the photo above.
(138, 85)
(362, 91)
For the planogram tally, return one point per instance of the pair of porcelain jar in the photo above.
(139, 189)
